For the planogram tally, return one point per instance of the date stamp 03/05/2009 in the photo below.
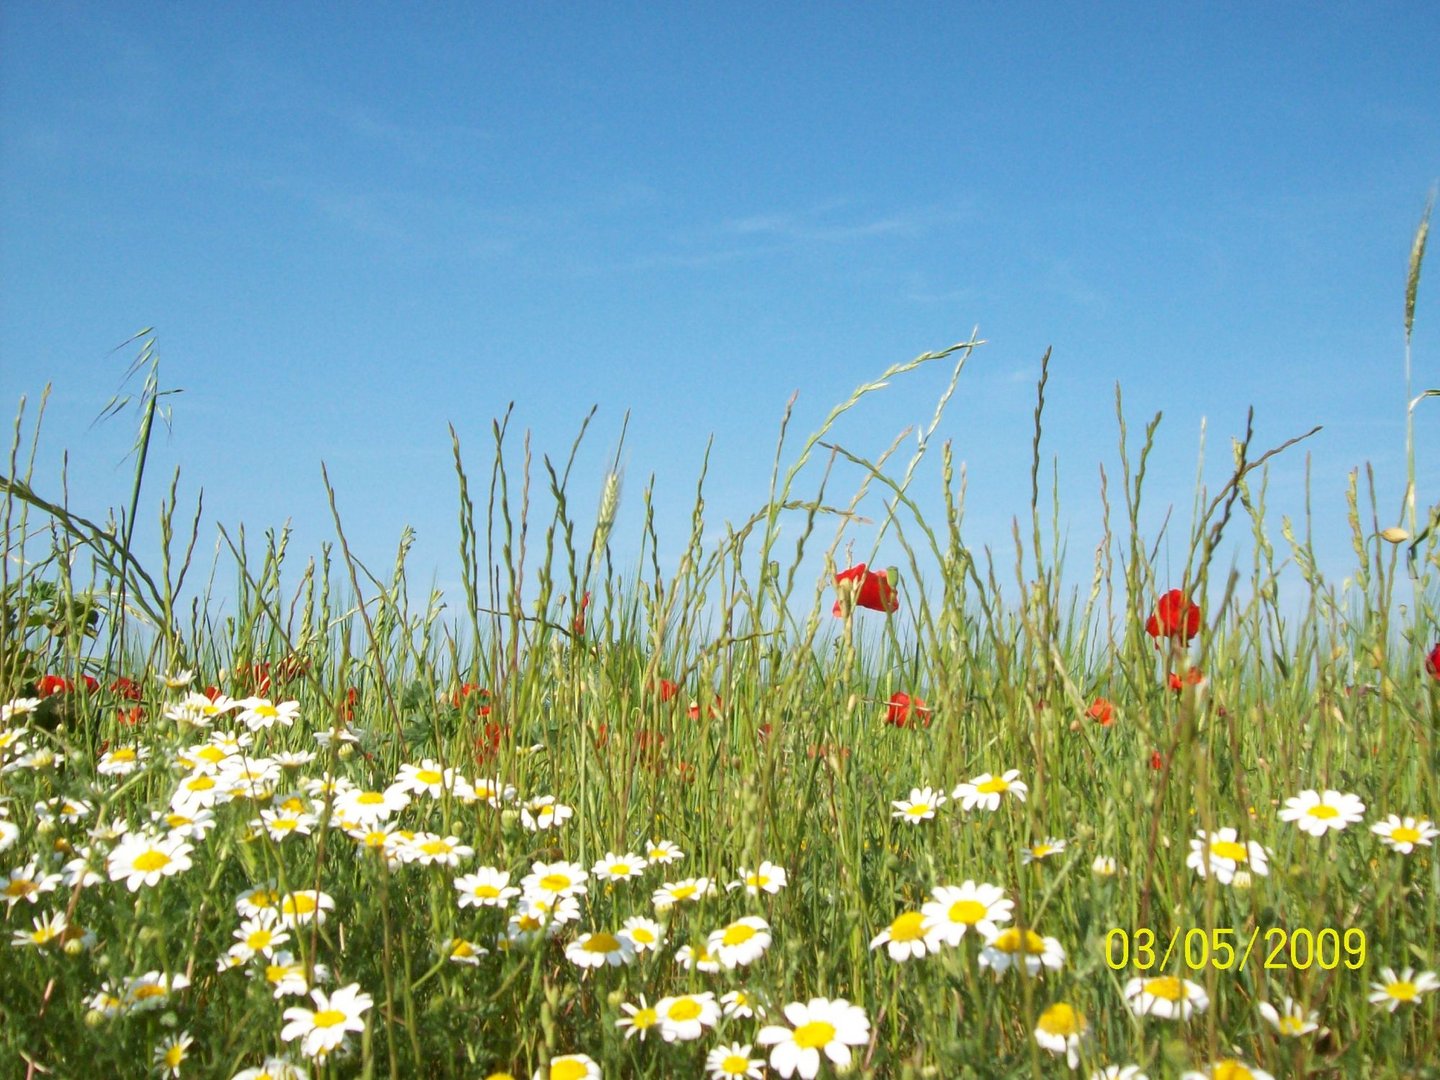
(1225, 949)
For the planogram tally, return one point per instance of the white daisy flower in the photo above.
(638, 1019)
(740, 1004)
(675, 892)
(741, 943)
(1228, 1069)
(259, 935)
(1223, 853)
(905, 938)
(618, 867)
(953, 910)
(645, 933)
(986, 790)
(569, 1067)
(818, 1026)
(1394, 990)
(151, 991)
(143, 859)
(1292, 1019)
(362, 806)
(1316, 813)
(769, 879)
(698, 958)
(545, 813)
(1027, 952)
(600, 949)
(122, 760)
(554, 879)
(1060, 1029)
(459, 951)
(258, 713)
(431, 849)
(1166, 996)
(323, 1029)
(48, 928)
(1403, 834)
(921, 806)
(734, 1059)
(486, 887)
(1049, 846)
(490, 790)
(662, 853)
(685, 1018)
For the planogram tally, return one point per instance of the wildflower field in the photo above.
(723, 819)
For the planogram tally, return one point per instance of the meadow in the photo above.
(728, 820)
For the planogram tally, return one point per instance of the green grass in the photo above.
(797, 766)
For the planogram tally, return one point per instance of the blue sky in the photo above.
(355, 224)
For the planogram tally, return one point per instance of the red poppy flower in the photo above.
(53, 684)
(347, 707)
(902, 708)
(579, 624)
(1102, 711)
(130, 716)
(128, 689)
(666, 689)
(1175, 617)
(694, 710)
(212, 692)
(1432, 662)
(1157, 760)
(864, 588)
(482, 697)
(258, 678)
(487, 746)
(1193, 677)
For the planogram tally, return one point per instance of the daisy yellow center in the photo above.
(601, 943)
(298, 905)
(268, 711)
(148, 991)
(683, 892)
(1010, 941)
(735, 1065)
(174, 1055)
(258, 939)
(278, 972)
(176, 821)
(370, 798)
(489, 892)
(1061, 1019)
(1403, 991)
(967, 911)
(213, 754)
(20, 887)
(757, 881)
(1292, 1025)
(328, 1018)
(620, 869)
(555, 882)
(200, 783)
(908, 927)
(284, 823)
(428, 776)
(1041, 850)
(1403, 834)
(994, 786)
(293, 805)
(124, 754)
(1166, 986)
(568, 1070)
(645, 1018)
(738, 934)
(436, 847)
(150, 860)
(642, 935)
(1228, 849)
(1323, 811)
(264, 898)
(656, 853)
(462, 948)
(1231, 1070)
(528, 923)
(376, 839)
(919, 809)
(814, 1035)
(685, 1009)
